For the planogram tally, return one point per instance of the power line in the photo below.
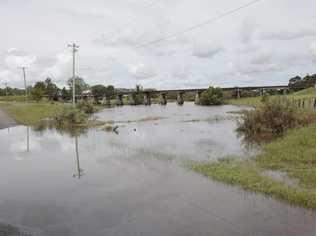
(230, 12)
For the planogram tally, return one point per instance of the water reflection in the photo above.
(27, 139)
(133, 185)
(79, 172)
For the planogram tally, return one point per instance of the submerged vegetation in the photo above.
(71, 116)
(212, 96)
(272, 119)
(292, 152)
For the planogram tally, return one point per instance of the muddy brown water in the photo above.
(132, 183)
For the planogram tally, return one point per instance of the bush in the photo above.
(212, 96)
(272, 119)
(86, 107)
(71, 116)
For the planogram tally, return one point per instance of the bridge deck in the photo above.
(277, 87)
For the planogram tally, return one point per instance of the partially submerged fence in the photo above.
(308, 103)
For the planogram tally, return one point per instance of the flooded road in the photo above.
(132, 183)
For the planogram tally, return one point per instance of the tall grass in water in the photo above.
(71, 116)
(272, 119)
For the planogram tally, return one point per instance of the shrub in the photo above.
(272, 119)
(212, 96)
(86, 107)
(71, 116)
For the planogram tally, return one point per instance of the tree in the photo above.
(110, 91)
(212, 96)
(297, 83)
(138, 88)
(65, 94)
(51, 89)
(80, 85)
(98, 91)
(38, 91)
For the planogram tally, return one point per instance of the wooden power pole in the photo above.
(25, 85)
(74, 48)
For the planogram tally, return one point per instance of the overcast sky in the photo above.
(265, 44)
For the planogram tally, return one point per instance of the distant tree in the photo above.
(138, 88)
(98, 91)
(212, 96)
(297, 83)
(80, 85)
(51, 89)
(38, 91)
(110, 91)
(65, 94)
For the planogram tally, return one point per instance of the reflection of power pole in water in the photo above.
(27, 138)
(78, 169)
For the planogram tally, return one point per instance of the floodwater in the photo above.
(132, 182)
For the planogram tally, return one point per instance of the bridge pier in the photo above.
(119, 100)
(197, 100)
(180, 99)
(163, 99)
(132, 99)
(147, 99)
(262, 92)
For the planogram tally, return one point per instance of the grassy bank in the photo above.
(251, 101)
(257, 101)
(293, 156)
(30, 113)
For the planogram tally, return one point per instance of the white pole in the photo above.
(74, 50)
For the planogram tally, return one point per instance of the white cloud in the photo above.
(15, 61)
(206, 50)
(247, 30)
(141, 72)
(235, 50)
(262, 58)
(290, 34)
(59, 71)
(313, 48)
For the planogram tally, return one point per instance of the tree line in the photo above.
(298, 83)
(52, 92)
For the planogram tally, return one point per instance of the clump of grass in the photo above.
(272, 120)
(71, 116)
(86, 107)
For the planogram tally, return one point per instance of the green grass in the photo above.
(12, 98)
(294, 154)
(30, 113)
(306, 93)
(251, 101)
(256, 101)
